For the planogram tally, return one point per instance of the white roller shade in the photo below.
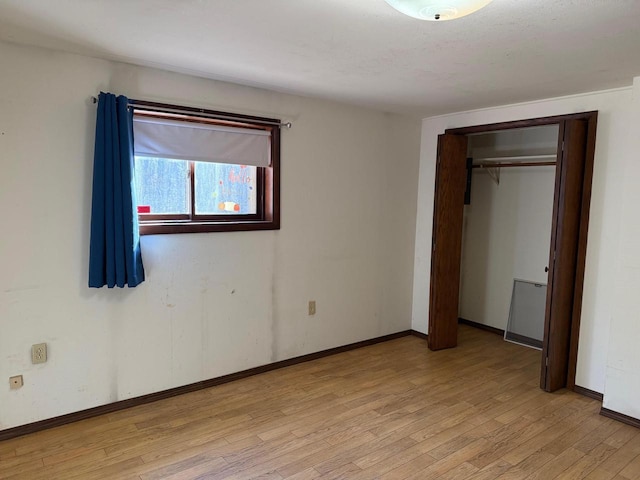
(156, 137)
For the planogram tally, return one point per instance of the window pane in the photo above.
(224, 189)
(162, 185)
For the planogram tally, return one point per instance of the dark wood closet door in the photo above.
(563, 258)
(447, 241)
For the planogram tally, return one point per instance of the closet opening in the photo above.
(506, 232)
(511, 212)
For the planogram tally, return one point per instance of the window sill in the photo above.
(150, 228)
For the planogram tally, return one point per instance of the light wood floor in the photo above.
(389, 411)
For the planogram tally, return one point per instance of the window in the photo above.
(203, 171)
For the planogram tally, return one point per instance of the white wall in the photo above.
(507, 232)
(603, 260)
(622, 388)
(212, 303)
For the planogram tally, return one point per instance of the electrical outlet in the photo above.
(312, 307)
(39, 353)
(15, 382)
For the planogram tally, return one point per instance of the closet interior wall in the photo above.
(507, 226)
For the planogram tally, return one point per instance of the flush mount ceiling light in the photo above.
(437, 10)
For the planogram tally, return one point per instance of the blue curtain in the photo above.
(114, 257)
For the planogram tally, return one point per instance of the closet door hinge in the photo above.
(546, 362)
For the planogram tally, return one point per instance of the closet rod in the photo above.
(515, 157)
(512, 164)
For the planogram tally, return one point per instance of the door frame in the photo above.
(591, 117)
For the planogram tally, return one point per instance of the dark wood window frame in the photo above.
(267, 216)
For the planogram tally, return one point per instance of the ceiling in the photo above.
(357, 51)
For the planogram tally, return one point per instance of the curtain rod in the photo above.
(153, 107)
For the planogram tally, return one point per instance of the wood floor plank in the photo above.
(632, 470)
(557, 466)
(599, 474)
(527, 466)
(625, 454)
(411, 455)
(544, 438)
(392, 411)
(491, 471)
(409, 469)
(441, 467)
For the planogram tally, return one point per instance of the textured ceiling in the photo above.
(358, 51)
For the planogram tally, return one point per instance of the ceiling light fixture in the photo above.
(437, 10)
